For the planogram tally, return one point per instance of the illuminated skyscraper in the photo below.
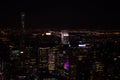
(22, 31)
(43, 57)
(64, 37)
(51, 60)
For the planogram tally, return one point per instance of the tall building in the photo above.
(64, 37)
(43, 57)
(22, 41)
(51, 59)
(47, 63)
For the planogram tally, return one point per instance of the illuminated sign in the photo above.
(66, 65)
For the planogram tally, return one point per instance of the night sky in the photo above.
(67, 14)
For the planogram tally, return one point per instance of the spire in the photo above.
(22, 19)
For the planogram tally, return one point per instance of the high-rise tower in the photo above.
(64, 37)
(22, 42)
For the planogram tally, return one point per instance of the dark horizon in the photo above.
(85, 14)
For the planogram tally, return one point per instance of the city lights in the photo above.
(48, 33)
(21, 52)
(77, 55)
(82, 45)
(66, 65)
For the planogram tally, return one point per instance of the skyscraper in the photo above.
(22, 42)
(64, 37)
